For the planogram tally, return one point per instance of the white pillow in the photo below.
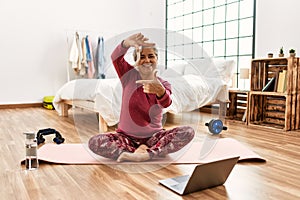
(212, 68)
(197, 67)
(190, 69)
(174, 70)
(225, 68)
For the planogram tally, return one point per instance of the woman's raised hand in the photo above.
(136, 41)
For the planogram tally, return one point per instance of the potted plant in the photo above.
(270, 55)
(292, 52)
(281, 54)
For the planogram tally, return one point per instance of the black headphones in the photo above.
(58, 138)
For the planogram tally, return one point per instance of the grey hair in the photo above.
(135, 55)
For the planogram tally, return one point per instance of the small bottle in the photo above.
(31, 160)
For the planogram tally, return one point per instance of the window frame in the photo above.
(240, 56)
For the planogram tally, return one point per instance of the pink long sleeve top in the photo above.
(141, 113)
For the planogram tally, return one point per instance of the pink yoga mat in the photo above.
(208, 150)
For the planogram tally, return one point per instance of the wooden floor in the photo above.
(278, 178)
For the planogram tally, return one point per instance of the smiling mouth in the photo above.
(147, 65)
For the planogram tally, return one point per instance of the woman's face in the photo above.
(148, 61)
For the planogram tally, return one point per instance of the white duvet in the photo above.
(192, 88)
(189, 92)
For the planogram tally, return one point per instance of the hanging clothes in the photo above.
(74, 53)
(84, 64)
(89, 58)
(99, 57)
(79, 64)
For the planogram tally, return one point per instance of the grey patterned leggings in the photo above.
(111, 145)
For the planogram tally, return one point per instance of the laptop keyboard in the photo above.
(180, 179)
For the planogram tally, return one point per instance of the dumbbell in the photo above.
(58, 139)
(215, 126)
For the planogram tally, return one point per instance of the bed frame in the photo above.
(86, 105)
(103, 127)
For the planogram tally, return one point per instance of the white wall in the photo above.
(33, 38)
(277, 25)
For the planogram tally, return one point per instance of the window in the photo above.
(222, 28)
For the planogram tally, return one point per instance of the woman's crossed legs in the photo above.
(120, 147)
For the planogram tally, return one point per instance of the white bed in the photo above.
(194, 85)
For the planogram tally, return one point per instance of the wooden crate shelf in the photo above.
(237, 106)
(272, 108)
(268, 110)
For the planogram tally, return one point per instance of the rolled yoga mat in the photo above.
(210, 149)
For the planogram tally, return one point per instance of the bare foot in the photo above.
(135, 157)
(141, 149)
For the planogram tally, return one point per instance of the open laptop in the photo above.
(204, 176)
